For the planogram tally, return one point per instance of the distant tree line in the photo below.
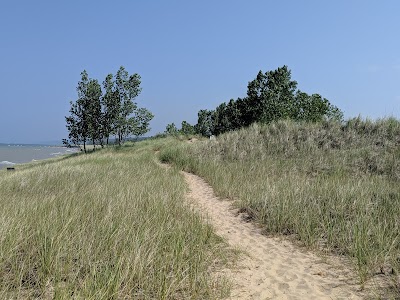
(186, 129)
(99, 113)
(271, 96)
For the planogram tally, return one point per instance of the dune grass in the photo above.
(334, 187)
(107, 225)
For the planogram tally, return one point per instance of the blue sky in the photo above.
(192, 55)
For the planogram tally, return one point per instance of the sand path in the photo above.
(274, 268)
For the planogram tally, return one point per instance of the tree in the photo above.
(110, 107)
(228, 117)
(94, 116)
(171, 129)
(271, 95)
(139, 123)
(186, 128)
(334, 113)
(221, 120)
(127, 89)
(234, 114)
(73, 126)
(205, 122)
(314, 108)
(78, 120)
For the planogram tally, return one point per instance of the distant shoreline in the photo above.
(12, 155)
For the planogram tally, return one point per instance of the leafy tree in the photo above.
(94, 112)
(171, 129)
(315, 108)
(139, 123)
(245, 114)
(94, 116)
(110, 107)
(227, 117)
(205, 122)
(78, 120)
(127, 89)
(73, 126)
(221, 120)
(234, 114)
(84, 122)
(186, 128)
(271, 95)
(334, 113)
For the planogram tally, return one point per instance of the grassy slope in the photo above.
(110, 224)
(332, 187)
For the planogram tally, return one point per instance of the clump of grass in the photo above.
(327, 184)
(109, 225)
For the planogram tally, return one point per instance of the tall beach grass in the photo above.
(107, 225)
(335, 187)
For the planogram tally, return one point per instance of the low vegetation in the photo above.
(111, 224)
(334, 186)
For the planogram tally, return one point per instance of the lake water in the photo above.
(12, 155)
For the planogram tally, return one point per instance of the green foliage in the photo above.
(95, 116)
(79, 119)
(139, 123)
(186, 128)
(110, 106)
(314, 108)
(94, 113)
(271, 96)
(205, 123)
(127, 89)
(171, 129)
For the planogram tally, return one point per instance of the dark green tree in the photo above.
(84, 121)
(127, 89)
(270, 96)
(110, 107)
(94, 112)
(94, 117)
(221, 121)
(314, 108)
(205, 122)
(186, 128)
(171, 129)
(334, 113)
(139, 123)
(234, 114)
(78, 120)
(74, 120)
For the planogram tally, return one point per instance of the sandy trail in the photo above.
(273, 268)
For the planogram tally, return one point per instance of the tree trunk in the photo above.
(119, 137)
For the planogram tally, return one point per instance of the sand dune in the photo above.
(274, 268)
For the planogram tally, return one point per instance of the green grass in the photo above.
(334, 187)
(111, 224)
